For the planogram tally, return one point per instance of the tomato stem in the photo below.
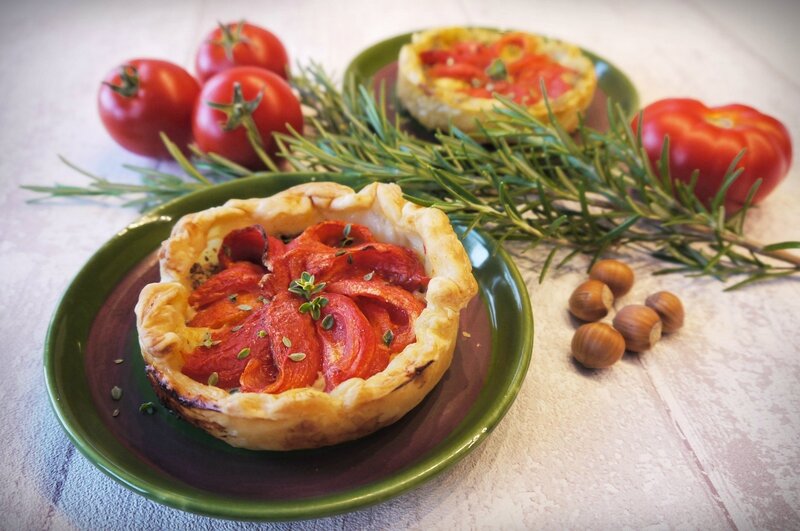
(129, 82)
(239, 109)
(231, 36)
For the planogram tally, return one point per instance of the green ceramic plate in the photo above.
(169, 461)
(378, 63)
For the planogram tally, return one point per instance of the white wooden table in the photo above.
(701, 432)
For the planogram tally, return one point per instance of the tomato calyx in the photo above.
(230, 38)
(239, 109)
(239, 113)
(129, 79)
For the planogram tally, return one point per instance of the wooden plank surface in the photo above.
(701, 432)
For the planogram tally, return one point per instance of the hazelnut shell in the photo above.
(591, 301)
(669, 308)
(639, 325)
(615, 274)
(597, 345)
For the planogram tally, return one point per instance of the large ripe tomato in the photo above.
(709, 138)
(144, 97)
(240, 44)
(237, 97)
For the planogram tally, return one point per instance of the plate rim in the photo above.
(351, 76)
(438, 459)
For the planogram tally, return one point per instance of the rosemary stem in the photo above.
(751, 245)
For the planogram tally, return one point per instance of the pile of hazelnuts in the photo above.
(636, 327)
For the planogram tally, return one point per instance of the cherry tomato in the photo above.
(709, 138)
(144, 97)
(240, 44)
(241, 98)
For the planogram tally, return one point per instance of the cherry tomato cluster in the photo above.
(242, 95)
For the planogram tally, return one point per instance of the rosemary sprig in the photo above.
(584, 193)
(535, 182)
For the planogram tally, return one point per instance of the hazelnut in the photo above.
(614, 274)
(597, 345)
(668, 307)
(639, 325)
(591, 301)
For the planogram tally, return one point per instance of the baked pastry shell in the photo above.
(304, 417)
(438, 108)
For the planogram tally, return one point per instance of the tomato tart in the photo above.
(308, 318)
(450, 76)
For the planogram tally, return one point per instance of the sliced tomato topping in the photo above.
(528, 63)
(392, 263)
(333, 234)
(247, 244)
(349, 346)
(228, 311)
(462, 71)
(387, 307)
(512, 39)
(224, 352)
(524, 70)
(295, 350)
(239, 277)
(279, 276)
(430, 57)
(392, 329)
(268, 345)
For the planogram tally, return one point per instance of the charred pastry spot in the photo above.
(418, 370)
(413, 374)
(170, 397)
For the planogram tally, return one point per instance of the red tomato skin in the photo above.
(262, 49)
(349, 348)
(164, 102)
(278, 107)
(709, 138)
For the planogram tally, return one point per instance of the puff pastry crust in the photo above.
(436, 103)
(305, 417)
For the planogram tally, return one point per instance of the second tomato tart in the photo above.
(449, 76)
(305, 319)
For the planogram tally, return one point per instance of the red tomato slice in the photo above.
(431, 57)
(227, 311)
(512, 39)
(462, 71)
(400, 305)
(223, 357)
(249, 243)
(392, 263)
(332, 234)
(239, 277)
(348, 348)
(474, 53)
(382, 319)
(278, 278)
(288, 332)
(529, 64)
